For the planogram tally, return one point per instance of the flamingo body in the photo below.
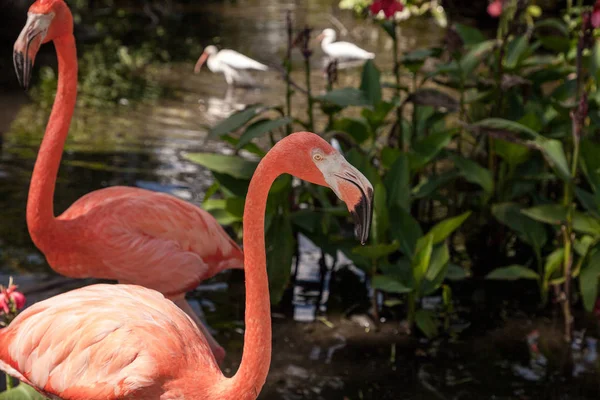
(231, 64)
(108, 342)
(138, 236)
(342, 50)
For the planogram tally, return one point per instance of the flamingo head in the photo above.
(310, 158)
(208, 51)
(327, 34)
(47, 20)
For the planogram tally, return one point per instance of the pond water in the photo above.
(336, 358)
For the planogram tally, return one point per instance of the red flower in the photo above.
(596, 15)
(11, 295)
(495, 8)
(389, 7)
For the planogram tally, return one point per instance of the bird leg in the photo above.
(218, 351)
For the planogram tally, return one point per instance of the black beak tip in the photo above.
(362, 215)
(22, 69)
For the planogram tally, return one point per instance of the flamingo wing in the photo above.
(147, 238)
(239, 61)
(103, 342)
(348, 50)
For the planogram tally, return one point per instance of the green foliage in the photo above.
(21, 392)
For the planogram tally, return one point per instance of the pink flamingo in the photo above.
(128, 234)
(126, 342)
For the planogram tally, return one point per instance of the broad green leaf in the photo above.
(553, 23)
(235, 206)
(355, 127)
(389, 285)
(231, 186)
(516, 50)
(456, 273)
(530, 231)
(434, 98)
(422, 258)
(234, 166)
(280, 251)
(590, 163)
(513, 153)
(554, 214)
(555, 155)
(260, 128)
(381, 218)
(21, 392)
(439, 259)
(429, 147)
(586, 223)
(512, 273)
(376, 116)
(376, 251)
(589, 201)
(558, 44)
(237, 120)
(506, 125)
(405, 229)
(397, 182)
(553, 263)
(427, 323)
(474, 173)
(473, 57)
(370, 84)
(345, 97)
(431, 184)
(389, 27)
(444, 228)
(588, 281)
(431, 285)
(224, 217)
(469, 35)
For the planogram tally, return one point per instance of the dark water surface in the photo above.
(336, 358)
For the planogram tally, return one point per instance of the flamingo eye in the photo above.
(318, 157)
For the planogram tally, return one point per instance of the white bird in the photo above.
(231, 63)
(341, 50)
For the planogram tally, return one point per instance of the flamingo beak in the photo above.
(200, 62)
(28, 44)
(352, 187)
(320, 37)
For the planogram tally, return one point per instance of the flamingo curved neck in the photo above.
(326, 42)
(40, 203)
(256, 357)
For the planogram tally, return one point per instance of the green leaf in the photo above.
(370, 84)
(439, 259)
(345, 97)
(553, 23)
(429, 147)
(554, 214)
(512, 273)
(590, 163)
(237, 120)
(381, 219)
(422, 258)
(586, 223)
(232, 186)
(376, 251)
(280, 251)
(21, 392)
(513, 153)
(260, 128)
(588, 201)
(397, 182)
(434, 98)
(427, 323)
(553, 263)
(456, 273)
(473, 58)
(355, 127)
(469, 35)
(390, 28)
(588, 281)
(431, 184)
(595, 61)
(389, 285)
(558, 44)
(516, 50)
(444, 228)
(224, 217)
(474, 173)
(405, 229)
(530, 231)
(555, 155)
(234, 166)
(506, 125)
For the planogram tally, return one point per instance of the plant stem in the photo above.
(288, 69)
(400, 132)
(9, 382)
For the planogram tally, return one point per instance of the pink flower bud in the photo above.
(495, 8)
(19, 299)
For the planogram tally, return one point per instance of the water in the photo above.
(335, 357)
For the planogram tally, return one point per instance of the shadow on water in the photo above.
(338, 355)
